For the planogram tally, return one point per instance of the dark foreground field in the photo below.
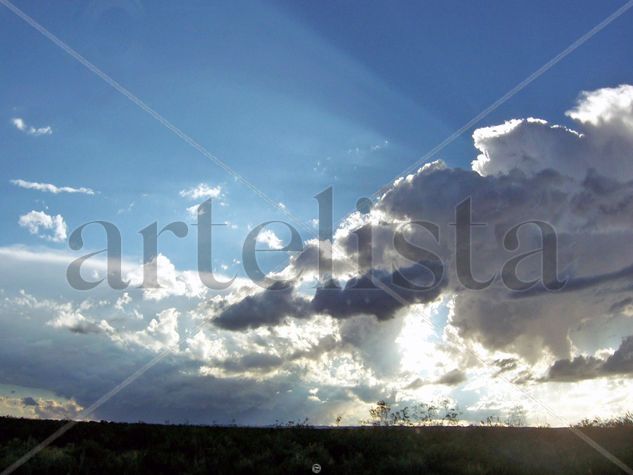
(94, 448)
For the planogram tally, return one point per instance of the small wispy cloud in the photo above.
(50, 188)
(202, 191)
(127, 208)
(22, 126)
(367, 149)
(193, 211)
(50, 228)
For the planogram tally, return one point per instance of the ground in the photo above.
(95, 448)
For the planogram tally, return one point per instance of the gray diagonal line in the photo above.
(512, 92)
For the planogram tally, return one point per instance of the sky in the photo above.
(296, 97)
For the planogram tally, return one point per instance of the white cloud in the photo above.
(22, 126)
(605, 118)
(73, 320)
(40, 408)
(50, 188)
(68, 315)
(161, 333)
(36, 221)
(270, 239)
(122, 301)
(606, 105)
(172, 282)
(201, 191)
(193, 211)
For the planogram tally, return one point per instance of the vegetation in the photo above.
(623, 421)
(99, 448)
(421, 414)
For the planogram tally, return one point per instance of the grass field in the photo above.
(95, 448)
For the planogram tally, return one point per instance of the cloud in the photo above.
(192, 211)
(37, 221)
(371, 294)
(72, 320)
(605, 117)
(66, 315)
(40, 408)
(171, 281)
(253, 361)
(607, 106)
(161, 333)
(29, 401)
(527, 169)
(590, 367)
(368, 294)
(47, 187)
(452, 378)
(268, 307)
(201, 191)
(270, 239)
(122, 301)
(22, 126)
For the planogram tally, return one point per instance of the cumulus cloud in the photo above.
(269, 239)
(580, 182)
(22, 126)
(605, 119)
(171, 281)
(51, 228)
(50, 188)
(606, 106)
(161, 333)
(201, 191)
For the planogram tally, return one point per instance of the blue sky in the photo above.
(292, 95)
(298, 96)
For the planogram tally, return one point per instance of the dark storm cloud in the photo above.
(360, 296)
(621, 305)
(29, 401)
(269, 307)
(252, 362)
(621, 362)
(415, 384)
(452, 378)
(589, 367)
(576, 369)
(366, 295)
(506, 364)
